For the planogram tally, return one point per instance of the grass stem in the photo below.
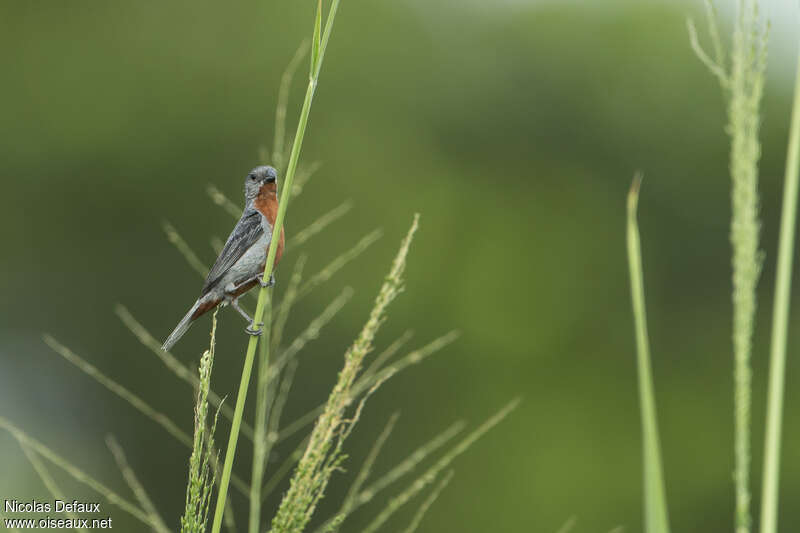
(780, 322)
(317, 53)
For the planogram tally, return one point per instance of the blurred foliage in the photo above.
(513, 128)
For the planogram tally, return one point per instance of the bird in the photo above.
(240, 265)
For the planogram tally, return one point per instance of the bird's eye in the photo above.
(253, 177)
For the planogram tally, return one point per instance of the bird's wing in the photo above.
(246, 233)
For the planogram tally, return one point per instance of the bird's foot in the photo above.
(256, 331)
(266, 284)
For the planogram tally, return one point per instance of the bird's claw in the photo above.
(267, 284)
(256, 331)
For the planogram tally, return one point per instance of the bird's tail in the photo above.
(181, 328)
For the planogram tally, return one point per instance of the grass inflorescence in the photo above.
(203, 460)
(742, 82)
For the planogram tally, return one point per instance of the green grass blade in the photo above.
(655, 504)
(780, 323)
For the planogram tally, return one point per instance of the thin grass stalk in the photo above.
(279, 143)
(361, 477)
(310, 333)
(285, 307)
(48, 480)
(780, 323)
(369, 462)
(219, 198)
(390, 351)
(136, 402)
(135, 485)
(76, 473)
(432, 497)
(276, 409)
(431, 474)
(368, 379)
(412, 358)
(656, 518)
(407, 465)
(275, 404)
(338, 262)
(318, 52)
(304, 175)
(185, 250)
(284, 468)
(302, 236)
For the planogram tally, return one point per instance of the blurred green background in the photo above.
(514, 128)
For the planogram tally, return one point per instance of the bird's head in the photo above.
(257, 178)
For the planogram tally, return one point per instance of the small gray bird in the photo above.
(240, 265)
